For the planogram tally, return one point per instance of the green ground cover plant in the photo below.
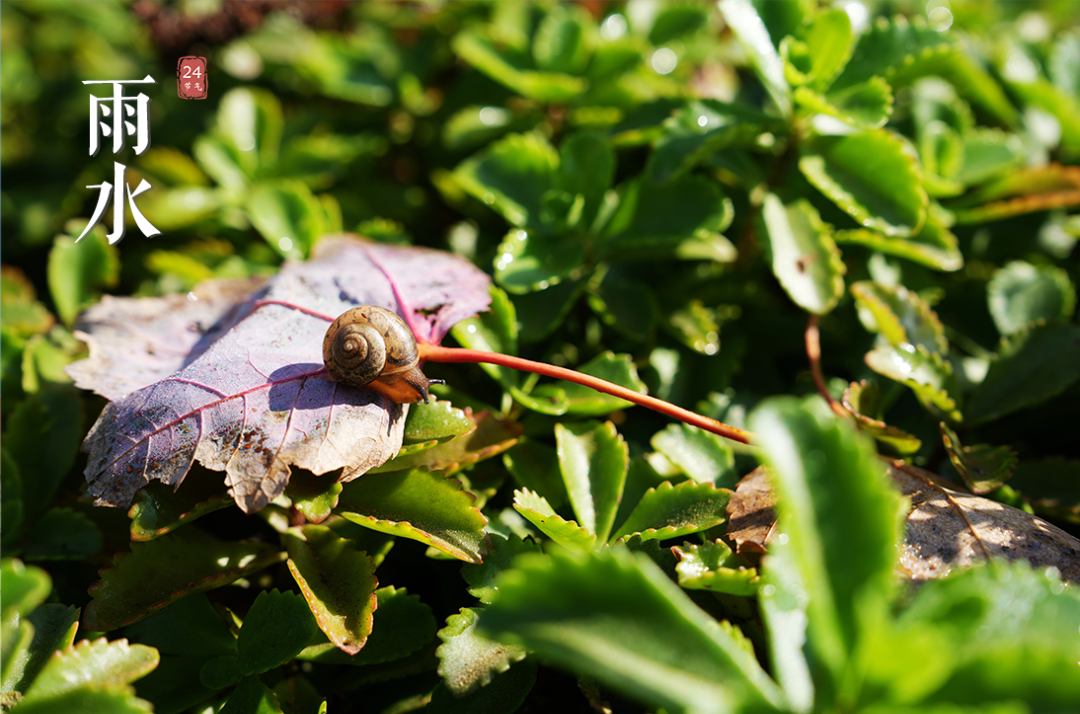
(842, 235)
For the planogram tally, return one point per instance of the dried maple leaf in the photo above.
(944, 529)
(236, 381)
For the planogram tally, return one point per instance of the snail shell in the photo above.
(369, 346)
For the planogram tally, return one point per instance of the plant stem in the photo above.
(813, 353)
(437, 353)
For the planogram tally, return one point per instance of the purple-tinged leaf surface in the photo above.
(256, 401)
(419, 505)
(338, 582)
(161, 571)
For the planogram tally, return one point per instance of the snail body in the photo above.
(369, 346)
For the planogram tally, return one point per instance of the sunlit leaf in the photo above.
(160, 571)
(804, 256)
(983, 467)
(1021, 293)
(872, 176)
(669, 511)
(338, 582)
(617, 617)
(1032, 365)
(419, 505)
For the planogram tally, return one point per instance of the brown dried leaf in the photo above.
(945, 528)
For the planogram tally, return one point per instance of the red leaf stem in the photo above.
(437, 353)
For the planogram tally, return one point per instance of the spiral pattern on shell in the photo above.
(366, 343)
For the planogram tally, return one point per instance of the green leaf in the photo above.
(708, 567)
(338, 582)
(983, 467)
(700, 129)
(997, 619)
(927, 373)
(156, 573)
(535, 466)
(863, 400)
(402, 626)
(872, 176)
(988, 153)
(288, 216)
(539, 512)
(563, 40)
(11, 503)
(249, 122)
(616, 617)
(53, 626)
(899, 315)
(593, 459)
(863, 106)
(504, 549)
(42, 437)
(492, 331)
(535, 260)
(314, 496)
(23, 314)
(1062, 106)
(782, 598)
(674, 21)
(586, 168)
(504, 695)
(92, 665)
(842, 519)
(653, 220)
(24, 588)
(489, 437)
(627, 305)
(190, 626)
(705, 458)
(277, 627)
(437, 421)
(63, 534)
(804, 257)
(829, 43)
(87, 701)
(897, 50)
(1051, 485)
(158, 509)
(1022, 293)
(585, 401)
(251, 697)
(541, 86)
(671, 511)
(77, 270)
(934, 245)
(1020, 191)
(1032, 365)
(751, 33)
(419, 505)
(540, 312)
(467, 661)
(511, 175)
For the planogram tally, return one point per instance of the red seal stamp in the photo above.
(191, 78)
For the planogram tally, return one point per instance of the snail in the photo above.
(369, 346)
